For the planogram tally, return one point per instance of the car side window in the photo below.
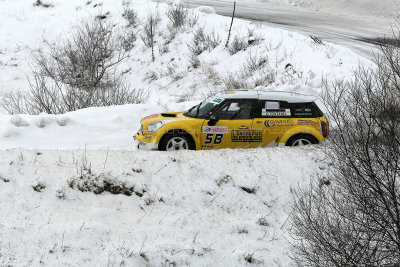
(240, 109)
(274, 109)
(305, 110)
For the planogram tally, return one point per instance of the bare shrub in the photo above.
(88, 181)
(177, 15)
(76, 73)
(233, 81)
(42, 4)
(193, 18)
(238, 44)
(87, 59)
(211, 75)
(253, 63)
(253, 73)
(132, 23)
(130, 15)
(194, 61)
(351, 217)
(263, 221)
(202, 42)
(163, 48)
(249, 258)
(252, 37)
(149, 33)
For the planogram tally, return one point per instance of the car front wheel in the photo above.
(175, 142)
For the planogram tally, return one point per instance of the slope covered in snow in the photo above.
(219, 208)
(172, 77)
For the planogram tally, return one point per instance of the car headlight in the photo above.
(154, 126)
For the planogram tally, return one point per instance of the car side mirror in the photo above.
(212, 120)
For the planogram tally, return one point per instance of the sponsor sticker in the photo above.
(217, 100)
(278, 123)
(276, 113)
(246, 136)
(215, 129)
(308, 122)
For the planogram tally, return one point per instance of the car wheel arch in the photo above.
(180, 132)
(311, 137)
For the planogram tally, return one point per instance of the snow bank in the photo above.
(92, 128)
(186, 208)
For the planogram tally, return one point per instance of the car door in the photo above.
(273, 118)
(233, 128)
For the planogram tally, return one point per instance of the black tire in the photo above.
(165, 141)
(302, 139)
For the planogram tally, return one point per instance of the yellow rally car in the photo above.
(237, 119)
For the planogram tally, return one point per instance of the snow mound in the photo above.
(93, 128)
(206, 9)
(18, 121)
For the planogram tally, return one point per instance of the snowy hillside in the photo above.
(172, 77)
(219, 208)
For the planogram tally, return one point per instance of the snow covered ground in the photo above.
(225, 208)
(170, 78)
(214, 208)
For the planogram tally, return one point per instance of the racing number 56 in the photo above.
(217, 139)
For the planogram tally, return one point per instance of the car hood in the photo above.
(167, 116)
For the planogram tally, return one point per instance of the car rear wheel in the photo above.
(175, 142)
(302, 140)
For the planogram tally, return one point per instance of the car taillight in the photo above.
(324, 129)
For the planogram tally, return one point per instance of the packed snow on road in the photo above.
(75, 190)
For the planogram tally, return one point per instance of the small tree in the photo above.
(352, 216)
(76, 73)
(149, 32)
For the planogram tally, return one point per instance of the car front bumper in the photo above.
(143, 143)
(147, 146)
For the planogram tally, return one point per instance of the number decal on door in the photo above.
(211, 139)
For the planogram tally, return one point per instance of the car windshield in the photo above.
(202, 109)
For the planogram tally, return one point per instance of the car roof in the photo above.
(289, 97)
